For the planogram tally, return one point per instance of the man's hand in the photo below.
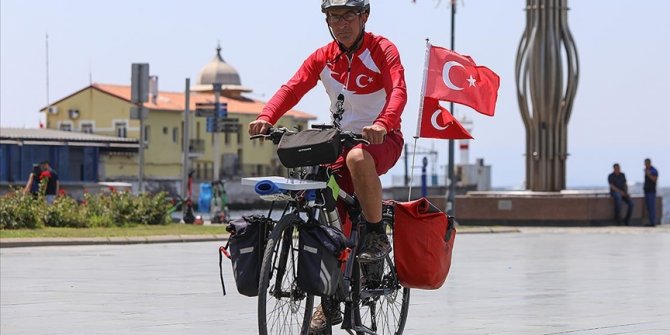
(259, 127)
(374, 134)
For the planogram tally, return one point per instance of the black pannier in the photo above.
(309, 147)
(247, 244)
(321, 248)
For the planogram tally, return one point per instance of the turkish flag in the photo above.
(436, 122)
(454, 77)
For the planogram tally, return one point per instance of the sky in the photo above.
(621, 111)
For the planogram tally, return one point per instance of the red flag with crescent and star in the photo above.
(439, 123)
(454, 77)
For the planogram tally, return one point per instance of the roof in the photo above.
(218, 71)
(42, 136)
(176, 101)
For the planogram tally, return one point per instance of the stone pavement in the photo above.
(605, 280)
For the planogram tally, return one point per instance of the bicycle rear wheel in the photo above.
(382, 303)
(282, 307)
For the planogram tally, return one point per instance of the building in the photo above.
(104, 109)
(78, 158)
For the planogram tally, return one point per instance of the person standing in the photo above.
(53, 184)
(650, 178)
(619, 191)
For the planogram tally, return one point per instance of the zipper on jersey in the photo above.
(346, 82)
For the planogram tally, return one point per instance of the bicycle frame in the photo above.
(296, 205)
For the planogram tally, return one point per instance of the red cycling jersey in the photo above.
(372, 81)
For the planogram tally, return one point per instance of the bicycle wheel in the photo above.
(382, 304)
(282, 307)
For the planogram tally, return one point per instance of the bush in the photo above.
(66, 212)
(21, 211)
(100, 210)
(151, 210)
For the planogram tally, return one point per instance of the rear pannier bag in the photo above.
(423, 240)
(318, 259)
(309, 147)
(248, 237)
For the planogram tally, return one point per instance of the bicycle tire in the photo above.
(382, 313)
(290, 309)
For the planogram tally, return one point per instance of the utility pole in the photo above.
(451, 195)
(217, 148)
(186, 140)
(140, 95)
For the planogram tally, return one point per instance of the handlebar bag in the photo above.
(319, 270)
(247, 243)
(423, 241)
(309, 147)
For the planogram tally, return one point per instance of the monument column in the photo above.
(547, 72)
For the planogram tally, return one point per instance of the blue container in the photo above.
(205, 197)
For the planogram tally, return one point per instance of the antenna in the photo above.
(47, 59)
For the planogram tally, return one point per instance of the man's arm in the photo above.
(393, 75)
(29, 184)
(652, 174)
(290, 93)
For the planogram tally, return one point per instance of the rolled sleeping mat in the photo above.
(266, 187)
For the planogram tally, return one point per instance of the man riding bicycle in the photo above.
(365, 70)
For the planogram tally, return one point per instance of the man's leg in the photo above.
(617, 206)
(650, 199)
(368, 190)
(366, 182)
(629, 210)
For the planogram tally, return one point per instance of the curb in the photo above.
(65, 241)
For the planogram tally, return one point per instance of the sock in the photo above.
(376, 227)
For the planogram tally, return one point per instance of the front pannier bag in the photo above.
(309, 147)
(247, 243)
(318, 259)
(423, 240)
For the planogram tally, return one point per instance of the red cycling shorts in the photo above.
(385, 155)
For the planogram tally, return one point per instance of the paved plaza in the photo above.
(537, 281)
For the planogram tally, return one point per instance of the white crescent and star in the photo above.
(445, 76)
(433, 121)
(358, 80)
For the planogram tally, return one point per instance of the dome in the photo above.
(218, 71)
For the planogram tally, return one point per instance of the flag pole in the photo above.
(418, 125)
(451, 196)
(411, 174)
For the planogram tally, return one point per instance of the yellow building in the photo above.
(104, 109)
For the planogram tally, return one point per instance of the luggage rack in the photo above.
(289, 184)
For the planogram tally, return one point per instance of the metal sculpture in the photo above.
(547, 72)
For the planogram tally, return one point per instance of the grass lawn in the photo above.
(169, 229)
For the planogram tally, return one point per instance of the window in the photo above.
(121, 129)
(87, 128)
(175, 134)
(147, 130)
(165, 130)
(66, 127)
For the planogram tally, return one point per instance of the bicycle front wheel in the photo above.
(382, 303)
(283, 308)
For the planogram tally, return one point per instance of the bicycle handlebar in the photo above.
(347, 138)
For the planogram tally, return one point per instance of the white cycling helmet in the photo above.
(361, 5)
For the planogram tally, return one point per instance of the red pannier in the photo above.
(423, 240)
